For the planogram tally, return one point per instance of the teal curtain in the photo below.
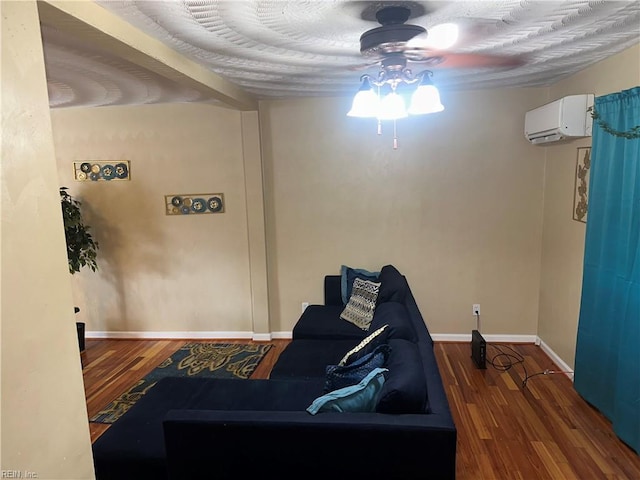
(607, 367)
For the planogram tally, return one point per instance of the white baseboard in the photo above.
(261, 337)
(258, 337)
(556, 359)
(177, 335)
(282, 335)
(466, 337)
(265, 337)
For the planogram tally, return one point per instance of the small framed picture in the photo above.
(194, 203)
(98, 171)
(581, 186)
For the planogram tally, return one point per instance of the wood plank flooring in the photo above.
(542, 431)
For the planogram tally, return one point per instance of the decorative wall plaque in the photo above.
(98, 171)
(581, 193)
(194, 203)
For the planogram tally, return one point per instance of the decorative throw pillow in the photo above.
(367, 345)
(347, 277)
(362, 303)
(362, 397)
(339, 376)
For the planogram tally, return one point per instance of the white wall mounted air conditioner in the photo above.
(563, 119)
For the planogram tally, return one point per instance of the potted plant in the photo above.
(81, 248)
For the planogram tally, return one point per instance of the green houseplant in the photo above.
(82, 249)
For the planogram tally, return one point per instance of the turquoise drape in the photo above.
(607, 367)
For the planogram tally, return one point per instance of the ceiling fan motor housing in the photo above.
(392, 35)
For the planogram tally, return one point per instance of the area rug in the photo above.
(209, 360)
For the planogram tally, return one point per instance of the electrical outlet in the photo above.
(304, 306)
(476, 309)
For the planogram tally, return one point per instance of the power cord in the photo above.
(503, 361)
(544, 372)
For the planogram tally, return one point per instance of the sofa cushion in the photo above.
(366, 346)
(339, 376)
(362, 303)
(393, 285)
(308, 359)
(348, 275)
(323, 322)
(405, 387)
(396, 316)
(362, 397)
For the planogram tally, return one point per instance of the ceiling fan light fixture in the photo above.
(366, 102)
(391, 42)
(392, 107)
(426, 98)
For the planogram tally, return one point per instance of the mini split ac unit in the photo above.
(564, 119)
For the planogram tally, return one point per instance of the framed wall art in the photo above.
(94, 171)
(581, 186)
(194, 203)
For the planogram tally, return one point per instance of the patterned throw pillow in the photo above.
(362, 303)
(373, 340)
(340, 376)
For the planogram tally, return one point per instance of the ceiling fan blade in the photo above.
(439, 37)
(363, 66)
(468, 60)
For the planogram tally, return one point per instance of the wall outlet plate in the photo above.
(476, 309)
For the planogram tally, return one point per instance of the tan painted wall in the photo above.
(160, 273)
(44, 417)
(563, 238)
(457, 208)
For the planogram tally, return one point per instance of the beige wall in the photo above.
(44, 417)
(563, 238)
(161, 273)
(460, 208)
(457, 208)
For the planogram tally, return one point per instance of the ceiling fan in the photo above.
(392, 46)
(395, 43)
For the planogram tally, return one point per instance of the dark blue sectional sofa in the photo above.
(190, 428)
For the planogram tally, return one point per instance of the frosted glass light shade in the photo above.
(366, 102)
(426, 99)
(392, 107)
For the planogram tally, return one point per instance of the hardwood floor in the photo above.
(542, 431)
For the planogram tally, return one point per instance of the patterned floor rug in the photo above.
(211, 360)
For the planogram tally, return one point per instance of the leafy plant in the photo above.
(81, 248)
(630, 134)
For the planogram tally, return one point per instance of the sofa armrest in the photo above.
(332, 290)
(200, 443)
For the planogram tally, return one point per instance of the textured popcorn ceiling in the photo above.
(276, 49)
